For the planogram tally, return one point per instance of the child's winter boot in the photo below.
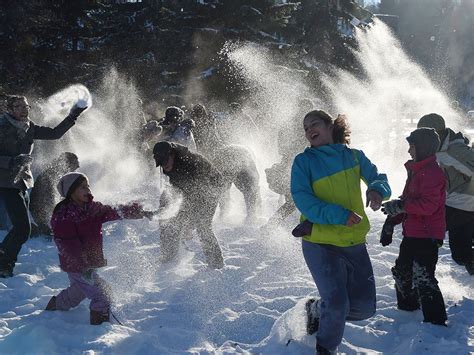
(320, 350)
(99, 317)
(312, 316)
(51, 306)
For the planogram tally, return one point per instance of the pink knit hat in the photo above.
(67, 181)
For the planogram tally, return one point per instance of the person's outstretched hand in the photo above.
(76, 111)
(374, 199)
(353, 218)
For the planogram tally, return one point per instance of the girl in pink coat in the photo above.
(421, 210)
(77, 227)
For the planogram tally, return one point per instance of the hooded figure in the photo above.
(421, 208)
(201, 185)
(426, 142)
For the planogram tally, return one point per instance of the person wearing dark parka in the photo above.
(201, 185)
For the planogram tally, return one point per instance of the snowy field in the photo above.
(254, 305)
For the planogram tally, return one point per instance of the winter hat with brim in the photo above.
(432, 120)
(426, 142)
(69, 182)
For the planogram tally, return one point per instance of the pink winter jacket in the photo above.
(78, 233)
(424, 198)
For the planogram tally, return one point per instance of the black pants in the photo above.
(246, 182)
(415, 282)
(460, 226)
(16, 204)
(192, 216)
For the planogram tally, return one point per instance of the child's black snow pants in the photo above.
(415, 282)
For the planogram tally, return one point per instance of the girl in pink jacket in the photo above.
(77, 227)
(421, 210)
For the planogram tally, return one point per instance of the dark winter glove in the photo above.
(386, 234)
(135, 211)
(302, 229)
(131, 211)
(393, 207)
(75, 112)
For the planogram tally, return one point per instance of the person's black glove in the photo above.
(75, 112)
(386, 234)
(302, 229)
(392, 207)
(20, 161)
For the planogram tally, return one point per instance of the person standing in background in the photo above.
(456, 157)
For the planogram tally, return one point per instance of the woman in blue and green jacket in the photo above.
(326, 189)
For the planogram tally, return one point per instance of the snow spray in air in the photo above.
(384, 104)
(104, 136)
(60, 103)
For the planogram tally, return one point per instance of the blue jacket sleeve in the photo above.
(371, 176)
(314, 209)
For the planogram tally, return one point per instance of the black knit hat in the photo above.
(173, 114)
(426, 142)
(161, 152)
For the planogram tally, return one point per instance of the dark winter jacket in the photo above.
(194, 175)
(14, 141)
(424, 198)
(78, 233)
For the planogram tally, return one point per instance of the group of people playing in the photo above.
(324, 186)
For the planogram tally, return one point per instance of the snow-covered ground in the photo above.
(254, 305)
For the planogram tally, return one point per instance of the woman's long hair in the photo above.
(341, 132)
(67, 199)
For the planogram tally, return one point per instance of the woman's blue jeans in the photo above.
(346, 285)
